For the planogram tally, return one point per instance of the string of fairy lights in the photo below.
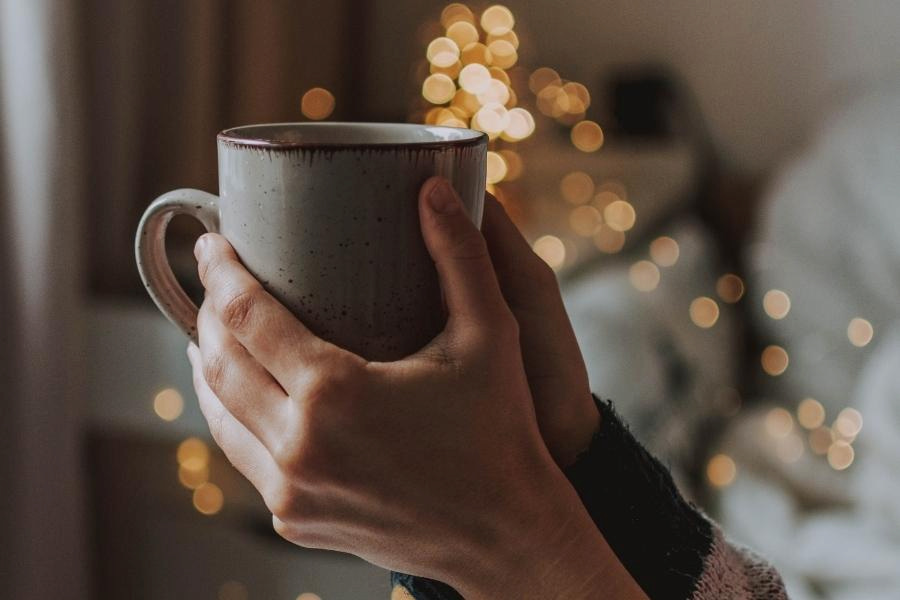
(471, 78)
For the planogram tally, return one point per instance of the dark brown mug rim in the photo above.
(229, 136)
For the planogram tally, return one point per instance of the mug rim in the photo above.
(232, 136)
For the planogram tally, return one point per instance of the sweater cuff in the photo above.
(660, 538)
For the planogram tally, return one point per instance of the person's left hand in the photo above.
(432, 465)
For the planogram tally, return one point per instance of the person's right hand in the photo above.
(566, 413)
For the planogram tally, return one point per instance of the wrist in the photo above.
(544, 547)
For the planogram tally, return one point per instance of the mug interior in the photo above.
(315, 135)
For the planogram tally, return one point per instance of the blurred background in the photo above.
(717, 186)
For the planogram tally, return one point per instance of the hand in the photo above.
(557, 377)
(432, 465)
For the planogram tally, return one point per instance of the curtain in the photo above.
(44, 550)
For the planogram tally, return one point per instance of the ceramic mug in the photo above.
(325, 216)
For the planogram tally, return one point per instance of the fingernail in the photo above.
(200, 246)
(442, 199)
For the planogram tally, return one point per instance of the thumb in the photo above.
(459, 253)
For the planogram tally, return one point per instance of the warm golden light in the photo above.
(779, 422)
(452, 71)
(585, 220)
(848, 424)
(492, 119)
(577, 187)
(521, 125)
(704, 312)
(309, 596)
(509, 36)
(721, 470)
(609, 240)
(503, 54)
(500, 74)
(643, 275)
(548, 100)
(496, 167)
(551, 249)
(543, 77)
(233, 590)
(840, 455)
(587, 136)
(438, 88)
(400, 593)
(317, 104)
(777, 304)
(730, 288)
(578, 97)
(476, 53)
(462, 33)
(193, 454)
(455, 13)
(820, 440)
(192, 478)
(774, 360)
(860, 332)
(466, 102)
(514, 165)
(475, 79)
(208, 499)
(619, 215)
(168, 404)
(810, 413)
(442, 52)
(664, 251)
(497, 20)
(496, 91)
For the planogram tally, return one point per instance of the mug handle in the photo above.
(150, 252)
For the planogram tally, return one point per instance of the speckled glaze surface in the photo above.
(325, 215)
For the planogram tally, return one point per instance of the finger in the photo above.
(268, 330)
(459, 253)
(526, 281)
(241, 447)
(243, 386)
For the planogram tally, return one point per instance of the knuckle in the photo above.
(237, 309)
(470, 246)
(215, 367)
(284, 502)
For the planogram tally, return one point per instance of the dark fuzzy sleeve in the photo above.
(660, 538)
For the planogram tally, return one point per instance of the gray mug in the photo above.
(325, 216)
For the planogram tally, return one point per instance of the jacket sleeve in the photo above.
(672, 550)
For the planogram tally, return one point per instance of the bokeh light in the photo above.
(462, 33)
(730, 288)
(789, 448)
(840, 455)
(774, 360)
(609, 240)
(587, 136)
(475, 79)
(848, 424)
(192, 454)
(208, 499)
(551, 249)
(442, 52)
(779, 422)
(860, 332)
(541, 78)
(585, 220)
(168, 404)
(317, 104)
(514, 165)
(475, 53)
(777, 304)
(455, 13)
(704, 312)
(577, 187)
(496, 167)
(503, 54)
(521, 125)
(497, 20)
(192, 478)
(820, 440)
(619, 215)
(810, 413)
(664, 251)
(438, 88)
(721, 470)
(309, 596)
(644, 276)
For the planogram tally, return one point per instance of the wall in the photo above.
(764, 72)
